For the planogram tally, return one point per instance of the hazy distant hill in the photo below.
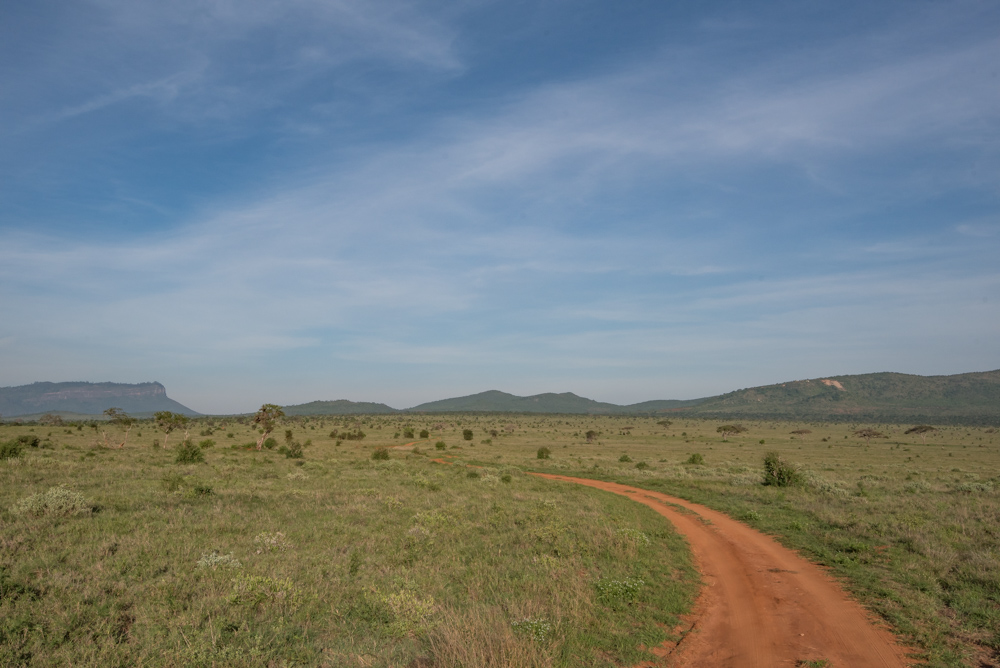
(496, 401)
(86, 399)
(967, 398)
(338, 407)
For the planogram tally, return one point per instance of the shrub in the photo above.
(207, 443)
(408, 433)
(778, 472)
(10, 449)
(292, 451)
(57, 501)
(424, 433)
(189, 453)
(440, 445)
(29, 440)
(270, 443)
(642, 466)
(625, 459)
(472, 474)
(695, 458)
(467, 434)
(544, 453)
(380, 453)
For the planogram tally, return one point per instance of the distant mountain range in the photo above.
(968, 398)
(86, 399)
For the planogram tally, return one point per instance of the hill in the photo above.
(502, 402)
(968, 398)
(338, 407)
(86, 399)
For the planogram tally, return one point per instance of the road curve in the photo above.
(762, 606)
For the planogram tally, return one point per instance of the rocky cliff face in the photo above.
(86, 398)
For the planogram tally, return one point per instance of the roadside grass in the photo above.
(131, 557)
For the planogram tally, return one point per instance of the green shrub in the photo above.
(408, 433)
(28, 440)
(467, 434)
(642, 466)
(440, 445)
(11, 449)
(207, 443)
(57, 501)
(625, 459)
(189, 453)
(471, 474)
(292, 451)
(270, 444)
(380, 453)
(544, 453)
(424, 433)
(778, 472)
(696, 458)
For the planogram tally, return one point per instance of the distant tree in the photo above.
(802, 432)
(122, 420)
(51, 420)
(467, 434)
(728, 430)
(591, 435)
(868, 434)
(168, 422)
(922, 429)
(267, 419)
(665, 423)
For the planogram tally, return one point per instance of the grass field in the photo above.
(256, 558)
(124, 557)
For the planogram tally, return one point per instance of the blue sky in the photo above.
(389, 201)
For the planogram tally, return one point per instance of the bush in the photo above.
(29, 440)
(292, 451)
(544, 453)
(207, 443)
(10, 449)
(467, 434)
(189, 453)
(56, 501)
(625, 459)
(695, 458)
(270, 444)
(380, 453)
(408, 433)
(440, 445)
(642, 466)
(424, 433)
(778, 472)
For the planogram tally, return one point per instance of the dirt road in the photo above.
(763, 606)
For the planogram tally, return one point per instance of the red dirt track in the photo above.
(762, 606)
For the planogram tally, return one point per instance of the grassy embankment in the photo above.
(125, 557)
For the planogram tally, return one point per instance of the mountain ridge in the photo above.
(85, 398)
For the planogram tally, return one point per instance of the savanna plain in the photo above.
(346, 542)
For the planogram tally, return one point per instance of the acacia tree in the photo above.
(167, 422)
(922, 429)
(728, 430)
(267, 419)
(122, 420)
(868, 434)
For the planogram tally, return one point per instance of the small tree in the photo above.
(778, 472)
(267, 419)
(467, 434)
(665, 423)
(168, 422)
(922, 429)
(868, 434)
(122, 420)
(591, 435)
(728, 430)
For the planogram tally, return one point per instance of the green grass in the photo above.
(252, 558)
